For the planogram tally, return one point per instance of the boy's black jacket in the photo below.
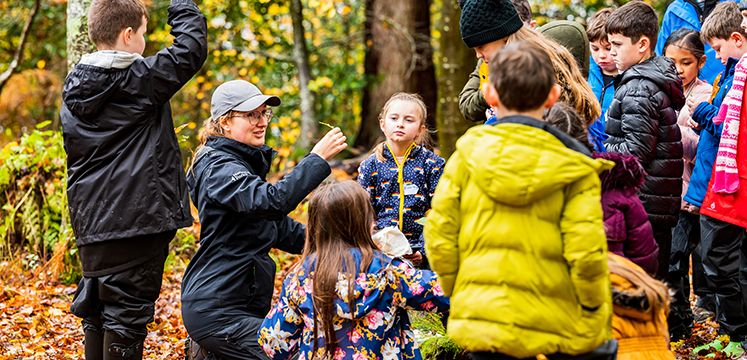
(243, 216)
(642, 121)
(125, 173)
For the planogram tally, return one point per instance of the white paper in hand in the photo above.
(392, 242)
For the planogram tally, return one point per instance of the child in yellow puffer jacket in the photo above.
(640, 305)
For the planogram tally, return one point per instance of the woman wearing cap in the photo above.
(228, 285)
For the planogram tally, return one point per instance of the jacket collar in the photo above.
(564, 138)
(258, 158)
(413, 153)
(731, 65)
(110, 59)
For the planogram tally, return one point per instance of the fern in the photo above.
(438, 345)
(33, 187)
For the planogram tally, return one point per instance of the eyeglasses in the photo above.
(255, 116)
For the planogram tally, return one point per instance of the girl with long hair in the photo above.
(687, 50)
(345, 299)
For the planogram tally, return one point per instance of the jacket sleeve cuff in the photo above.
(700, 112)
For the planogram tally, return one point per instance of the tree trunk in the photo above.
(78, 43)
(457, 62)
(309, 125)
(399, 57)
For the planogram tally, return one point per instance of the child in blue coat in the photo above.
(601, 73)
(402, 174)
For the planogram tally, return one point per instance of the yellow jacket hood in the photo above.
(527, 160)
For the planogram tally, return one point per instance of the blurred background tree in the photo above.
(335, 61)
(356, 53)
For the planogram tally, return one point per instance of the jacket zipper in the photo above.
(604, 90)
(400, 179)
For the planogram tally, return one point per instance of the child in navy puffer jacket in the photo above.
(402, 174)
(629, 232)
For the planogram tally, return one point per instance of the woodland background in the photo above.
(335, 61)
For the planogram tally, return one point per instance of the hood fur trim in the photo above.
(627, 173)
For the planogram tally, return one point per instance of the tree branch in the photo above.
(275, 57)
(21, 44)
(344, 41)
(410, 39)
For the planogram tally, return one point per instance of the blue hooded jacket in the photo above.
(681, 15)
(605, 96)
(420, 174)
(710, 136)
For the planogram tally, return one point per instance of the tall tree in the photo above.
(309, 125)
(78, 43)
(456, 63)
(399, 57)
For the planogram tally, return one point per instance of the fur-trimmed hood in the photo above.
(627, 173)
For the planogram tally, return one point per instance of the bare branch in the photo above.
(275, 57)
(21, 44)
(410, 39)
(340, 42)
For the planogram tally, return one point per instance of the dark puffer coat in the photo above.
(642, 121)
(628, 230)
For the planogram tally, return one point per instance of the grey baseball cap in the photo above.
(238, 95)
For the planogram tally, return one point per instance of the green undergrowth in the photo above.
(431, 334)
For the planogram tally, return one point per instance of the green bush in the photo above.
(34, 221)
(436, 345)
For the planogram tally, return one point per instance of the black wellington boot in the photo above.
(94, 345)
(119, 348)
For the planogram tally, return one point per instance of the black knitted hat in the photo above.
(485, 21)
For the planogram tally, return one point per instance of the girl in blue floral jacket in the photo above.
(345, 299)
(402, 174)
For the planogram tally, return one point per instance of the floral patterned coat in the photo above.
(378, 328)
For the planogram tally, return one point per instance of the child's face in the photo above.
(248, 127)
(402, 122)
(744, 19)
(600, 52)
(626, 53)
(686, 63)
(486, 52)
(728, 48)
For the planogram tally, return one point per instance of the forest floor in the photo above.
(36, 323)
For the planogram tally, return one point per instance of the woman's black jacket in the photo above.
(242, 216)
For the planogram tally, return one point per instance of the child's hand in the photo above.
(693, 124)
(330, 145)
(691, 104)
(415, 258)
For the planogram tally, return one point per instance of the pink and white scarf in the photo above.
(726, 178)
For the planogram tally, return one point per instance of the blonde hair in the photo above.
(211, 128)
(655, 291)
(424, 138)
(575, 89)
